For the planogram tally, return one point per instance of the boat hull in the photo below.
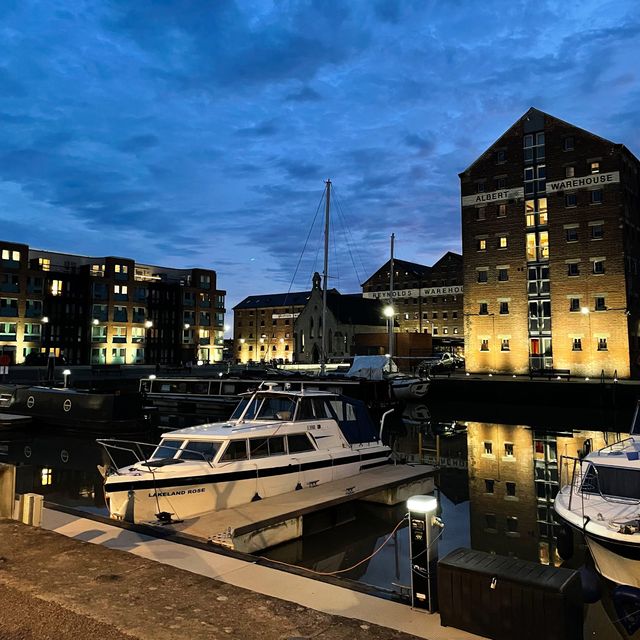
(142, 498)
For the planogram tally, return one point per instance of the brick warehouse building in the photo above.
(551, 245)
(426, 299)
(106, 310)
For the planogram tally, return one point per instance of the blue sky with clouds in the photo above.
(199, 132)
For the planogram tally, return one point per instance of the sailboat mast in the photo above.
(323, 350)
(391, 317)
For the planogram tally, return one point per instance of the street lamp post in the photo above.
(389, 313)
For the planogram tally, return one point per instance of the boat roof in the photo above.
(225, 430)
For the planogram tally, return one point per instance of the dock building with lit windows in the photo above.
(426, 299)
(106, 310)
(551, 245)
(263, 327)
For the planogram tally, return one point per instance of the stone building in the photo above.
(263, 327)
(425, 299)
(346, 317)
(551, 245)
(106, 310)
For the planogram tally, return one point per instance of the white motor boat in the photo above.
(404, 387)
(275, 442)
(602, 497)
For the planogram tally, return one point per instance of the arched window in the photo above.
(311, 328)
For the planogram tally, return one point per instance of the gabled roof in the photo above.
(352, 308)
(274, 300)
(450, 255)
(533, 112)
(412, 267)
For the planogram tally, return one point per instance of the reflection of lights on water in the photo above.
(87, 492)
(46, 476)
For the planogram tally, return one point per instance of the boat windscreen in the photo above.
(198, 450)
(166, 449)
(276, 408)
(239, 410)
(612, 481)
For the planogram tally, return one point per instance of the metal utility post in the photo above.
(391, 316)
(323, 350)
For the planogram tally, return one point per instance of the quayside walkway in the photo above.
(128, 585)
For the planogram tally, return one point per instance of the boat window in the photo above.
(612, 481)
(263, 447)
(343, 410)
(242, 405)
(166, 449)
(299, 443)
(305, 410)
(198, 450)
(236, 450)
(321, 409)
(199, 387)
(271, 406)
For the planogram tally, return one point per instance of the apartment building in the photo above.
(106, 310)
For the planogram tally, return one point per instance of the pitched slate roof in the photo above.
(352, 308)
(292, 299)
(413, 267)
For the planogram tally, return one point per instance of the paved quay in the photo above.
(127, 585)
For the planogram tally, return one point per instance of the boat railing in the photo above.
(137, 450)
(616, 447)
(581, 483)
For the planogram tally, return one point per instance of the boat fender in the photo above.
(586, 448)
(591, 589)
(564, 542)
(256, 497)
(626, 601)
(298, 487)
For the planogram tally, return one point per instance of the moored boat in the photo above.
(275, 442)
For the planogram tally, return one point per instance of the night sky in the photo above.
(199, 132)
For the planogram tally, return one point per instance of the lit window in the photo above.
(120, 289)
(577, 344)
(502, 242)
(6, 254)
(482, 244)
(504, 345)
(594, 167)
(44, 264)
(602, 344)
(56, 287)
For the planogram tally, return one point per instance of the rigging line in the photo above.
(305, 246)
(350, 240)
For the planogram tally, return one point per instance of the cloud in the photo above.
(306, 94)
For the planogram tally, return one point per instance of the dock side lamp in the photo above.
(66, 373)
(424, 531)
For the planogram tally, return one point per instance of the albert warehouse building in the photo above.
(551, 245)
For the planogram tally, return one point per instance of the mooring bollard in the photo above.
(31, 511)
(7, 490)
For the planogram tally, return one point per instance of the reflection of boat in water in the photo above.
(275, 442)
(602, 501)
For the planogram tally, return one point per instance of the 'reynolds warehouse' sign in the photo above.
(425, 292)
(593, 180)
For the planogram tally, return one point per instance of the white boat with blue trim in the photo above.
(275, 442)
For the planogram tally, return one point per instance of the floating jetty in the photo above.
(265, 523)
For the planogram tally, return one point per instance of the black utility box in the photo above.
(506, 598)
